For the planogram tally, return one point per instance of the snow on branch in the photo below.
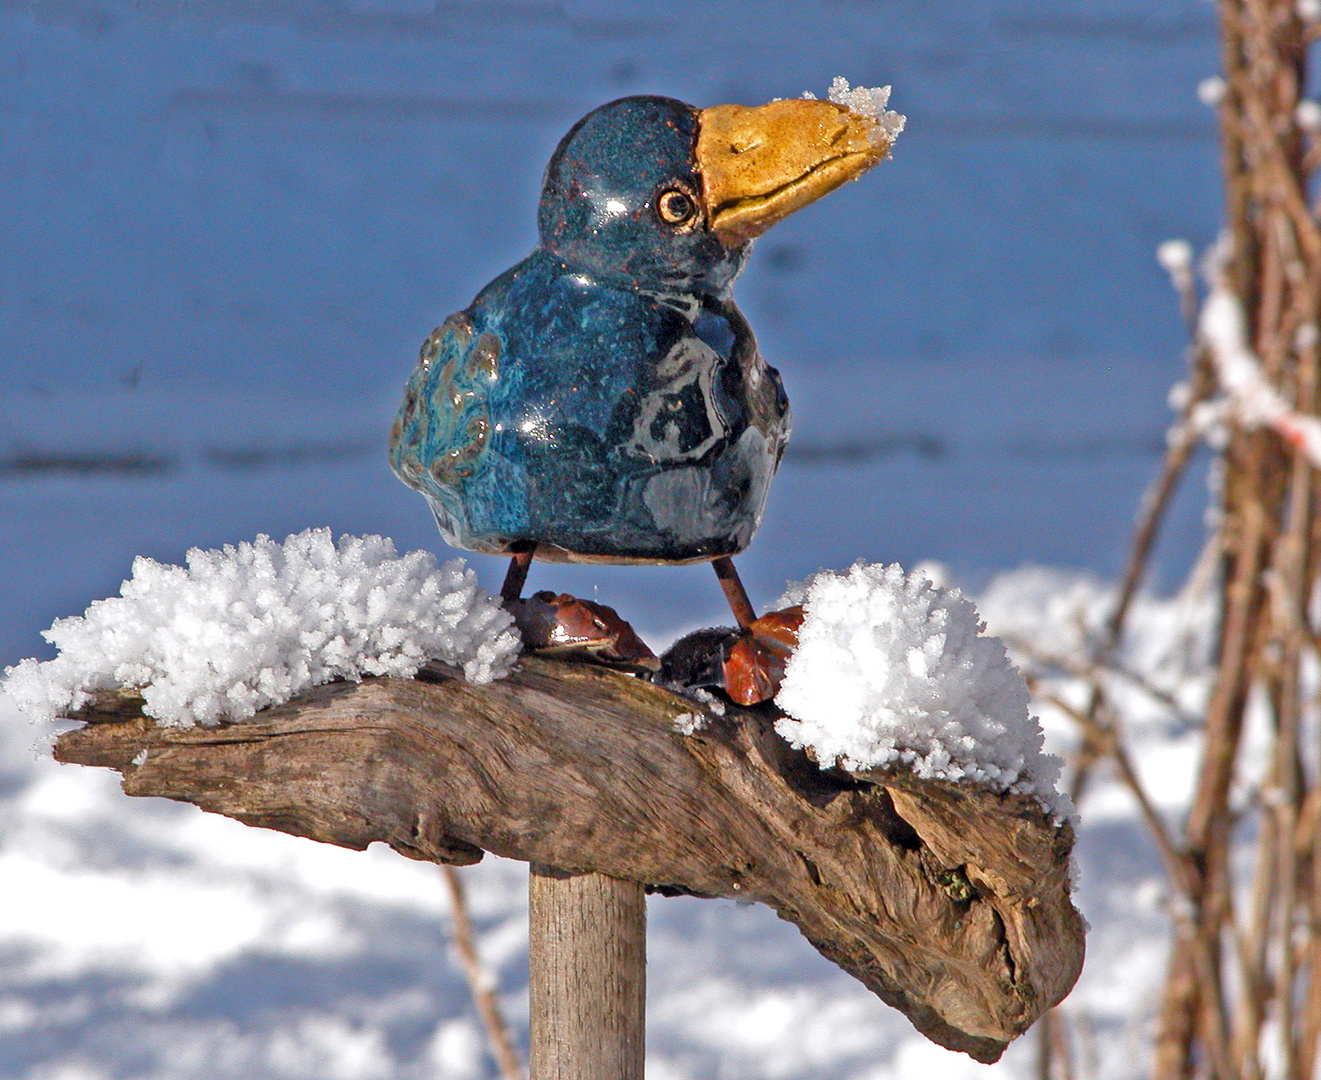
(891, 670)
(251, 626)
(895, 670)
(1253, 401)
(936, 869)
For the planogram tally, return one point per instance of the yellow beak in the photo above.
(761, 164)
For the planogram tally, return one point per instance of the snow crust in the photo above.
(893, 669)
(867, 101)
(245, 627)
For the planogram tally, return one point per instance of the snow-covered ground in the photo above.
(226, 227)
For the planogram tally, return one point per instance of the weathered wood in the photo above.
(948, 901)
(587, 976)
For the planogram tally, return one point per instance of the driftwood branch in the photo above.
(948, 901)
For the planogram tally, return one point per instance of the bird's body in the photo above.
(602, 423)
(603, 399)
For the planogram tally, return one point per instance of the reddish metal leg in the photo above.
(516, 575)
(734, 592)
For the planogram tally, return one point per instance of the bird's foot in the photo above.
(754, 668)
(747, 664)
(566, 626)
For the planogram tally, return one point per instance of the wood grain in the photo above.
(587, 976)
(950, 902)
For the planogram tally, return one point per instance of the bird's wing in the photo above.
(443, 424)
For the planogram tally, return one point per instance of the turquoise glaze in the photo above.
(604, 398)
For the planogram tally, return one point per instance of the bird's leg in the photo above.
(734, 591)
(516, 575)
(748, 664)
(568, 626)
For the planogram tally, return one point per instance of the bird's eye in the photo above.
(675, 206)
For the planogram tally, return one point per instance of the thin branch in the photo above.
(1180, 444)
(1108, 742)
(479, 979)
(1094, 670)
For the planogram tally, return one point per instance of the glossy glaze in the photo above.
(603, 398)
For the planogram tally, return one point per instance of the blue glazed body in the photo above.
(604, 398)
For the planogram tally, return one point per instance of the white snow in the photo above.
(1211, 91)
(867, 101)
(1253, 400)
(245, 627)
(893, 669)
(1176, 258)
(689, 723)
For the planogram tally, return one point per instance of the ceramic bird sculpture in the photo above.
(604, 400)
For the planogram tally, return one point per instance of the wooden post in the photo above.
(588, 976)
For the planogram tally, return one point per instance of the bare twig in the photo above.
(479, 979)
(1108, 741)
(1269, 530)
(1180, 444)
(1093, 670)
(1243, 991)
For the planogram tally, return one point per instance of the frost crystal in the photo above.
(250, 626)
(1211, 91)
(867, 101)
(1175, 257)
(891, 669)
(689, 723)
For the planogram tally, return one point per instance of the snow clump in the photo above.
(250, 626)
(891, 669)
(1176, 258)
(1212, 91)
(1308, 115)
(867, 101)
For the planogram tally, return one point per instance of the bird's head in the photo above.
(656, 194)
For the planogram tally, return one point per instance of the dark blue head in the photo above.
(623, 201)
